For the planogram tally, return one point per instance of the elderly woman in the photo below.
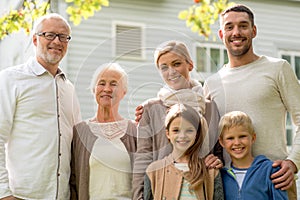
(103, 146)
(174, 64)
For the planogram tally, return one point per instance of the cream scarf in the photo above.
(191, 96)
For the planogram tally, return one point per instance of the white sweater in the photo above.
(264, 89)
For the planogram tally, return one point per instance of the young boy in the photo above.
(247, 177)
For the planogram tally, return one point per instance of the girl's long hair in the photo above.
(197, 175)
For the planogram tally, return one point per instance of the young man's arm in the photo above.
(289, 88)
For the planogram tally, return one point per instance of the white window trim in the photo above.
(127, 23)
(208, 46)
(290, 53)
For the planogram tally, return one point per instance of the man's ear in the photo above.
(34, 40)
(220, 34)
(254, 31)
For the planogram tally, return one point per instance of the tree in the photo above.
(23, 18)
(202, 14)
(199, 17)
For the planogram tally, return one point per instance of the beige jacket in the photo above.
(166, 181)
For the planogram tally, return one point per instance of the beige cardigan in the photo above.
(82, 145)
(166, 180)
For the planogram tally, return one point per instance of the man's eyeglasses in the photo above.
(52, 36)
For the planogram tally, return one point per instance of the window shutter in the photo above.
(128, 41)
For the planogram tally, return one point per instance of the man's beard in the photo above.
(51, 59)
(239, 52)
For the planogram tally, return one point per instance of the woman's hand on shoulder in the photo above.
(138, 113)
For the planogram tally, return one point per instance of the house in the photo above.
(128, 32)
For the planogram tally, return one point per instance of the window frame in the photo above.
(208, 68)
(292, 54)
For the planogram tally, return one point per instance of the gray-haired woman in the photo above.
(103, 146)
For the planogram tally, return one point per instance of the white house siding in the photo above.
(278, 28)
(92, 42)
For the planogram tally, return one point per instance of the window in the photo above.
(289, 131)
(128, 40)
(294, 59)
(210, 58)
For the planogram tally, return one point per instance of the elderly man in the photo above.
(39, 108)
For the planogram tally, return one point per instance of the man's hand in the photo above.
(283, 178)
(212, 161)
(138, 113)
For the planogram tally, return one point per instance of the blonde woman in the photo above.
(174, 63)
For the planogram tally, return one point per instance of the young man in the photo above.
(39, 108)
(246, 177)
(263, 87)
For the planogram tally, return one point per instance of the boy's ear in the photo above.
(254, 137)
(221, 142)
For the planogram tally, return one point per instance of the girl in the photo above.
(183, 174)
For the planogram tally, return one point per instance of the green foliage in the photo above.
(15, 20)
(23, 18)
(199, 17)
(202, 14)
(84, 9)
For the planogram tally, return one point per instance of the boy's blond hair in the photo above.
(233, 119)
